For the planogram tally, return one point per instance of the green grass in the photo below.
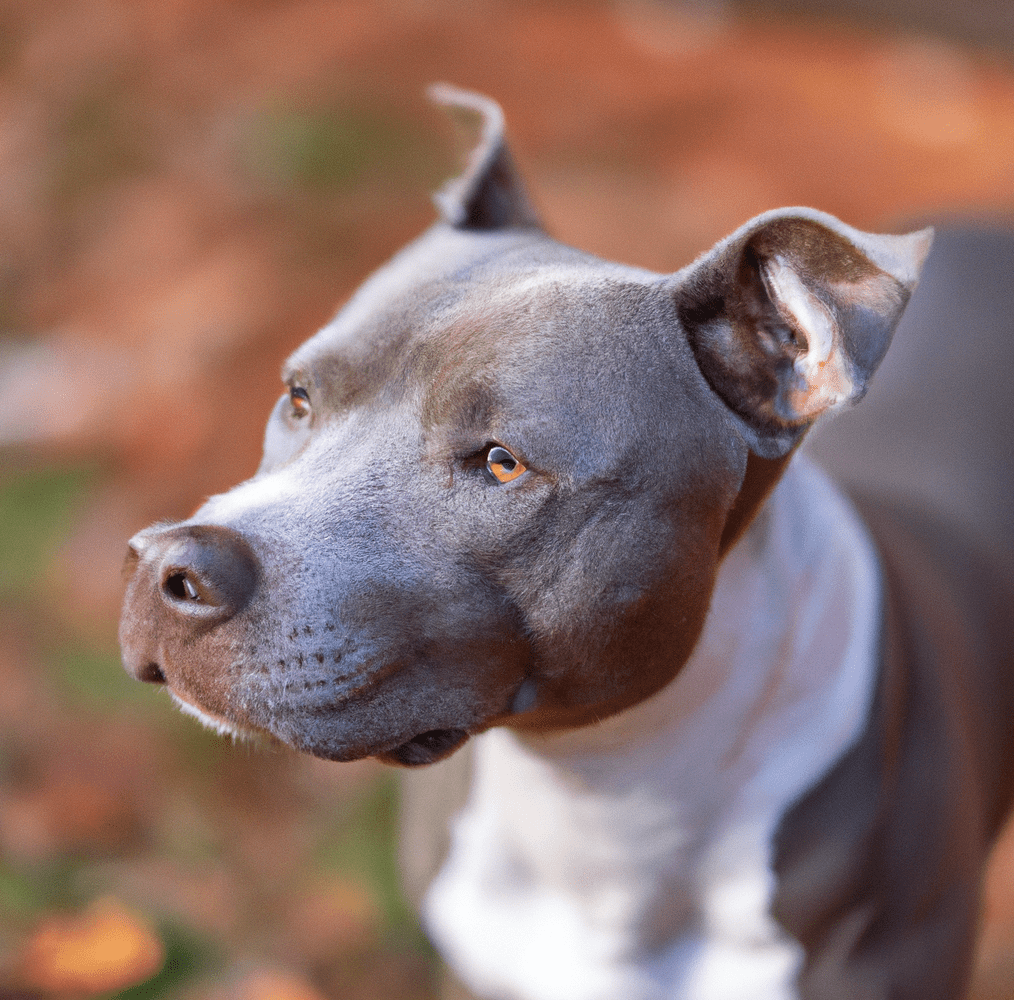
(96, 678)
(101, 140)
(363, 843)
(326, 150)
(20, 896)
(27, 891)
(36, 512)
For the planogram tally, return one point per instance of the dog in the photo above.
(731, 733)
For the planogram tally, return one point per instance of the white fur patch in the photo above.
(218, 725)
(808, 311)
(261, 492)
(823, 367)
(632, 860)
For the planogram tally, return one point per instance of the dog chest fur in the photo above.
(634, 858)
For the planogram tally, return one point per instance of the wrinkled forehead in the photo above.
(504, 315)
(400, 295)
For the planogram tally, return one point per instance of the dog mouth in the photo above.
(426, 748)
(210, 720)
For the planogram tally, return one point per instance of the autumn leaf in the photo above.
(106, 948)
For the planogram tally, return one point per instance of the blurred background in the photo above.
(187, 191)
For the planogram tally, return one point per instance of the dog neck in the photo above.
(633, 858)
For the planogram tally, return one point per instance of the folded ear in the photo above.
(791, 315)
(490, 193)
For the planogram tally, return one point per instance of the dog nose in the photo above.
(206, 569)
(181, 581)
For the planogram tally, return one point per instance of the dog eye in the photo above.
(502, 465)
(299, 398)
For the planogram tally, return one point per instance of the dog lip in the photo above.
(426, 748)
(212, 720)
(201, 571)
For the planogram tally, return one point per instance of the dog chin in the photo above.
(426, 748)
(218, 725)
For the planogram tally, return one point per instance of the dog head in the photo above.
(498, 486)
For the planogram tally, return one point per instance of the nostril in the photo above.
(207, 571)
(151, 673)
(180, 586)
(183, 581)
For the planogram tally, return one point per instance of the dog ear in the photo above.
(490, 193)
(791, 315)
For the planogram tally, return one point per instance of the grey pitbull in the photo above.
(731, 736)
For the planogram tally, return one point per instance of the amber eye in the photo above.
(300, 401)
(502, 465)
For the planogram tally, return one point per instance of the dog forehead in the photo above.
(558, 336)
(485, 308)
(404, 286)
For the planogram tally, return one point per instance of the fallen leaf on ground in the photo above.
(106, 948)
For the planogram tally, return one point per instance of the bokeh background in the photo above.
(188, 190)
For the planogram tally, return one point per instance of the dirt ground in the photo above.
(187, 190)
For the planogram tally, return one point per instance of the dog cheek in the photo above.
(620, 617)
(435, 657)
(465, 629)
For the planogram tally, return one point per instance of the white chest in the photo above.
(633, 860)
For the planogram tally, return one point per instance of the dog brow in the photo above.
(293, 374)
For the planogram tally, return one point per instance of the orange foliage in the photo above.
(106, 948)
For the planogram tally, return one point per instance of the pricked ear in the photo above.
(490, 193)
(791, 315)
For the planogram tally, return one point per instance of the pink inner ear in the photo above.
(824, 377)
(790, 317)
